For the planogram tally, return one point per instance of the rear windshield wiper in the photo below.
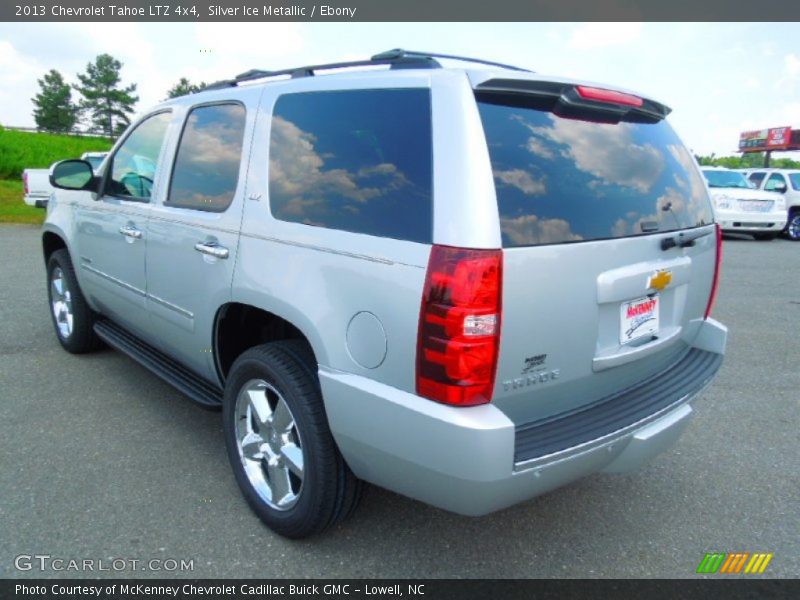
(684, 240)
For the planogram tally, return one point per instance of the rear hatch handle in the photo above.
(684, 239)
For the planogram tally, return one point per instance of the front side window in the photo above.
(95, 161)
(206, 170)
(775, 183)
(355, 160)
(566, 180)
(133, 166)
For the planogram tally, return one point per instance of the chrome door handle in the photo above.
(130, 232)
(212, 249)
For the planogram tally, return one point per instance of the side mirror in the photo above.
(73, 175)
(780, 188)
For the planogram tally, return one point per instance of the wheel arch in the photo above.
(52, 241)
(240, 326)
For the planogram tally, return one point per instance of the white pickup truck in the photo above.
(36, 182)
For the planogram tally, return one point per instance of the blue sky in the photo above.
(719, 79)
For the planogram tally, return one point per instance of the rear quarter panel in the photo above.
(319, 279)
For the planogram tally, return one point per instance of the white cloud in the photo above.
(528, 230)
(792, 64)
(17, 85)
(602, 35)
(790, 115)
(605, 151)
(300, 178)
(246, 46)
(522, 180)
(537, 147)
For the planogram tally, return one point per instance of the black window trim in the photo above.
(189, 111)
(120, 144)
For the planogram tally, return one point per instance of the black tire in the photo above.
(327, 491)
(765, 237)
(792, 230)
(80, 337)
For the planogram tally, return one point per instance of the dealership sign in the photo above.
(777, 138)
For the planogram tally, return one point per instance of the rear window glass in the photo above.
(356, 160)
(566, 180)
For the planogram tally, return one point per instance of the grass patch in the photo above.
(28, 150)
(13, 208)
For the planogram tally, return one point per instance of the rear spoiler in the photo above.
(574, 100)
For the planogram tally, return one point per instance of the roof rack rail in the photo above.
(396, 59)
(399, 53)
(395, 62)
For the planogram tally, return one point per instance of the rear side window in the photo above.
(206, 170)
(756, 178)
(356, 160)
(567, 180)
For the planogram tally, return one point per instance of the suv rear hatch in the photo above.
(609, 246)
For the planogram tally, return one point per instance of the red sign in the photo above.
(776, 138)
(779, 137)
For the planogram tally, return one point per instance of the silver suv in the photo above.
(466, 286)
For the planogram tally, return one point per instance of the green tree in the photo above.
(53, 106)
(749, 160)
(107, 103)
(184, 87)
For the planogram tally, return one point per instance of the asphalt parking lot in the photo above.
(102, 460)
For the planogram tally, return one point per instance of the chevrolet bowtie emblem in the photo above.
(659, 280)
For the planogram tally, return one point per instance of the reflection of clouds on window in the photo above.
(539, 148)
(528, 230)
(608, 152)
(621, 228)
(356, 160)
(685, 160)
(216, 142)
(206, 169)
(300, 180)
(670, 212)
(564, 178)
(521, 180)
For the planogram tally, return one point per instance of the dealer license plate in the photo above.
(638, 318)
(756, 205)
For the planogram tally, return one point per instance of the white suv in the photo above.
(740, 208)
(787, 183)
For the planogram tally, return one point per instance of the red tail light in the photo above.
(25, 183)
(459, 326)
(601, 95)
(715, 283)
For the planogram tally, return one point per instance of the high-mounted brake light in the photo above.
(610, 96)
(717, 265)
(459, 326)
